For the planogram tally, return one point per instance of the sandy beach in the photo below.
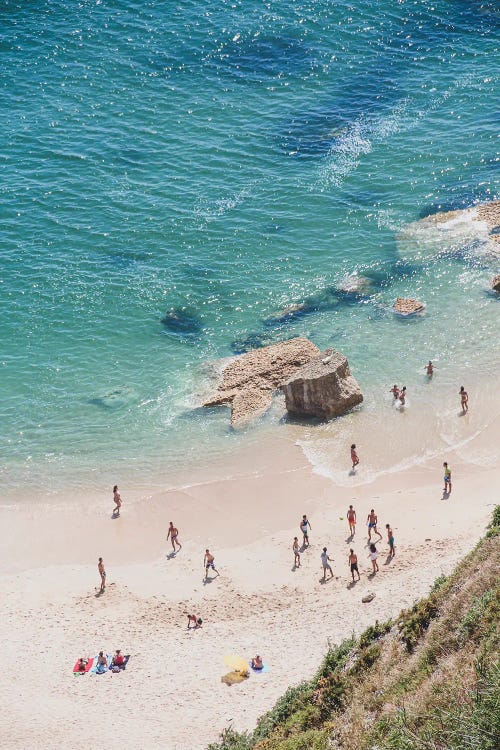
(171, 695)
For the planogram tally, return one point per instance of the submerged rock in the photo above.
(405, 306)
(116, 399)
(182, 321)
(495, 284)
(247, 383)
(324, 387)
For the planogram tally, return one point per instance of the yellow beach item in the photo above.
(236, 663)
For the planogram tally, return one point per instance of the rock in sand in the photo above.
(324, 387)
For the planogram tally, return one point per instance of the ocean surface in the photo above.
(173, 176)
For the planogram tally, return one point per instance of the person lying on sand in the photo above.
(257, 662)
(82, 664)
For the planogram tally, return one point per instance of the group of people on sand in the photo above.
(117, 662)
(371, 521)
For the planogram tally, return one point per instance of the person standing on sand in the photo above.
(173, 533)
(354, 456)
(325, 561)
(351, 520)
(353, 564)
(395, 391)
(305, 533)
(373, 557)
(390, 539)
(117, 499)
(464, 399)
(209, 562)
(372, 521)
(447, 478)
(102, 573)
(296, 552)
(429, 368)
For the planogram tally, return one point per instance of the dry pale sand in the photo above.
(171, 695)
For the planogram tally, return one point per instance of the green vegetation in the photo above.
(428, 681)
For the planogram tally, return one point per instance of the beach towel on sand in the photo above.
(95, 664)
(123, 666)
(265, 668)
(76, 669)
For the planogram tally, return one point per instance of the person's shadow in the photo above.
(304, 547)
(208, 579)
(446, 495)
(388, 559)
(171, 555)
(351, 584)
(352, 473)
(349, 539)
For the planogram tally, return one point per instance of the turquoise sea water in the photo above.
(214, 163)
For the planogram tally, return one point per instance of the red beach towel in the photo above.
(76, 668)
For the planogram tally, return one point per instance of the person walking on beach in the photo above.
(102, 573)
(354, 456)
(390, 539)
(173, 534)
(351, 520)
(118, 501)
(373, 557)
(464, 399)
(447, 478)
(209, 562)
(325, 561)
(304, 524)
(372, 521)
(429, 368)
(395, 391)
(353, 564)
(296, 552)
(402, 396)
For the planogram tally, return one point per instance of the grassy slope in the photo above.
(429, 680)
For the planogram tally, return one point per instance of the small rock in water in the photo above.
(495, 284)
(406, 306)
(115, 399)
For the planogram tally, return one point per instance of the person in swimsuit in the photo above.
(118, 659)
(82, 664)
(257, 662)
(195, 621)
(208, 562)
(173, 533)
(305, 534)
(464, 399)
(117, 499)
(395, 391)
(353, 563)
(373, 557)
(351, 520)
(429, 368)
(102, 573)
(390, 539)
(296, 552)
(102, 663)
(402, 396)
(447, 478)
(354, 456)
(372, 520)
(325, 561)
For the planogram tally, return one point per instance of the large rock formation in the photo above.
(470, 232)
(495, 284)
(404, 306)
(247, 383)
(324, 387)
